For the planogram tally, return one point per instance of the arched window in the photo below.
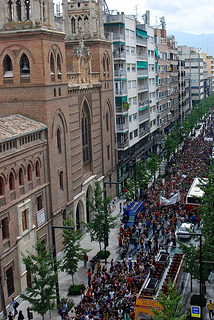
(86, 25)
(59, 142)
(104, 67)
(11, 181)
(24, 68)
(21, 177)
(52, 67)
(54, 92)
(8, 69)
(107, 65)
(43, 8)
(27, 10)
(86, 145)
(107, 122)
(73, 26)
(61, 180)
(79, 24)
(1, 186)
(37, 169)
(59, 74)
(18, 9)
(59, 92)
(29, 172)
(10, 11)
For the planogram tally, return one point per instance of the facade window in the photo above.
(59, 73)
(8, 68)
(135, 133)
(10, 281)
(37, 169)
(52, 67)
(131, 135)
(104, 67)
(73, 26)
(59, 143)
(86, 135)
(5, 228)
(39, 203)
(107, 122)
(21, 177)
(11, 181)
(2, 191)
(24, 66)
(61, 180)
(54, 92)
(24, 220)
(29, 172)
(108, 151)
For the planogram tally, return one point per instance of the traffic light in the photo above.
(29, 313)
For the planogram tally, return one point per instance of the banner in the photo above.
(172, 200)
(208, 139)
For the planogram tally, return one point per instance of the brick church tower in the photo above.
(62, 79)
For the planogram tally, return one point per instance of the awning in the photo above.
(157, 53)
(120, 79)
(114, 24)
(121, 99)
(141, 33)
(144, 77)
(119, 42)
(144, 108)
(142, 65)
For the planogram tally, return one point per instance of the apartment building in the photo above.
(194, 70)
(134, 88)
(210, 67)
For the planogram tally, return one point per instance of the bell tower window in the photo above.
(59, 74)
(24, 69)
(27, 10)
(73, 26)
(10, 11)
(18, 8)
(8, 70)
(86, 139)
(52, 68)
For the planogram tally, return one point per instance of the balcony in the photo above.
(120, 109)
(142, 72)
(118, 36)
(119, 55)
(122, 127)
(141, 41)
(120, 73)
(143, 132)
(143, 102)
(142, 56)
(120, 92)
(144, 117)
(143, 87)
(122, 145)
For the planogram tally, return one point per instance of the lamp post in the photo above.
(200, 270)
(54, 256)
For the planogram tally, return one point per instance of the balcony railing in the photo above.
(119, 55)
(122, 127)
(120, 92)
(143, 87)
(122, 145)
(119, 73)
(141, 40)
(142, 72)
(142, 56)
(143, 132)
(120, 109)
(144, 117)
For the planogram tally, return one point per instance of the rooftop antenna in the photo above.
(105, 7)
(136, 10)
(163, 23)
(146, 17)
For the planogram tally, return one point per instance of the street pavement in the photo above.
(81, 276)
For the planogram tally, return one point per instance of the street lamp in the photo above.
(201, 269)
(54, 256)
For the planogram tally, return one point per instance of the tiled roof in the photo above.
(16, 125)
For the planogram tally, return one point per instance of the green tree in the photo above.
(171, 305)
(192, 250)
(72, 248)
(143, 175)
(42, 293)
(100, 206)
(152, 164)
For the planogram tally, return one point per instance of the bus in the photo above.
(132, 213)
(194, 195)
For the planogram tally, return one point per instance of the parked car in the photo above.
(184, 230)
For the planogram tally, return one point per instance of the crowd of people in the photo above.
(112, 292)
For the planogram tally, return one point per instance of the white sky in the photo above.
(192, 16)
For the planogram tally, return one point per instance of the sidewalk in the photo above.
(81, 276)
